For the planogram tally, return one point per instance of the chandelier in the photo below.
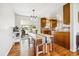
(33, 15)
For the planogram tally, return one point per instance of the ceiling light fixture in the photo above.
(33, 15)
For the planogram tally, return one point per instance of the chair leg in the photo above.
(50, 46)
(37, 51)
(46, 48)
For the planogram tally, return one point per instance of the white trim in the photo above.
(11, 45)
(73, 50)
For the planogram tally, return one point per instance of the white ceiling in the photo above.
(41, 9)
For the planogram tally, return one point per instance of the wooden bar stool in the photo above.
(52, 40)
(49, 40)
(39, 46)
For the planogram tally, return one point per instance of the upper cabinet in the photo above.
(43, 22)
(66, 14)
(53, 23)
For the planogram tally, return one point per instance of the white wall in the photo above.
(59, 17)
(7, 21)
(60, 14)
(74, 25)
(22, 20)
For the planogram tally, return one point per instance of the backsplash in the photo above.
(65, 28)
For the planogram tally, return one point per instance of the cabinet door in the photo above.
(63, 39)
(67, 40)
(66, 13)
(43, 22)
(53, 23)
(59, 39)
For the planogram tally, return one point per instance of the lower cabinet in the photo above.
(63, 39)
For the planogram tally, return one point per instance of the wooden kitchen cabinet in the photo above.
(53, 23)
(67, 40)
(66, 14)
(63, 39)
(43, 22)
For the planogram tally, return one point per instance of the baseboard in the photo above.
(73, 50)
(11, 45)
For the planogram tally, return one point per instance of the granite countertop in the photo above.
(38, 35)
(63, 30)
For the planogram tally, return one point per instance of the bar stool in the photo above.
(52, 40)
(49, 40)
(39, 46)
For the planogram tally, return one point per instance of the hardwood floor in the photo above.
(15, 50)
(57, 51)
